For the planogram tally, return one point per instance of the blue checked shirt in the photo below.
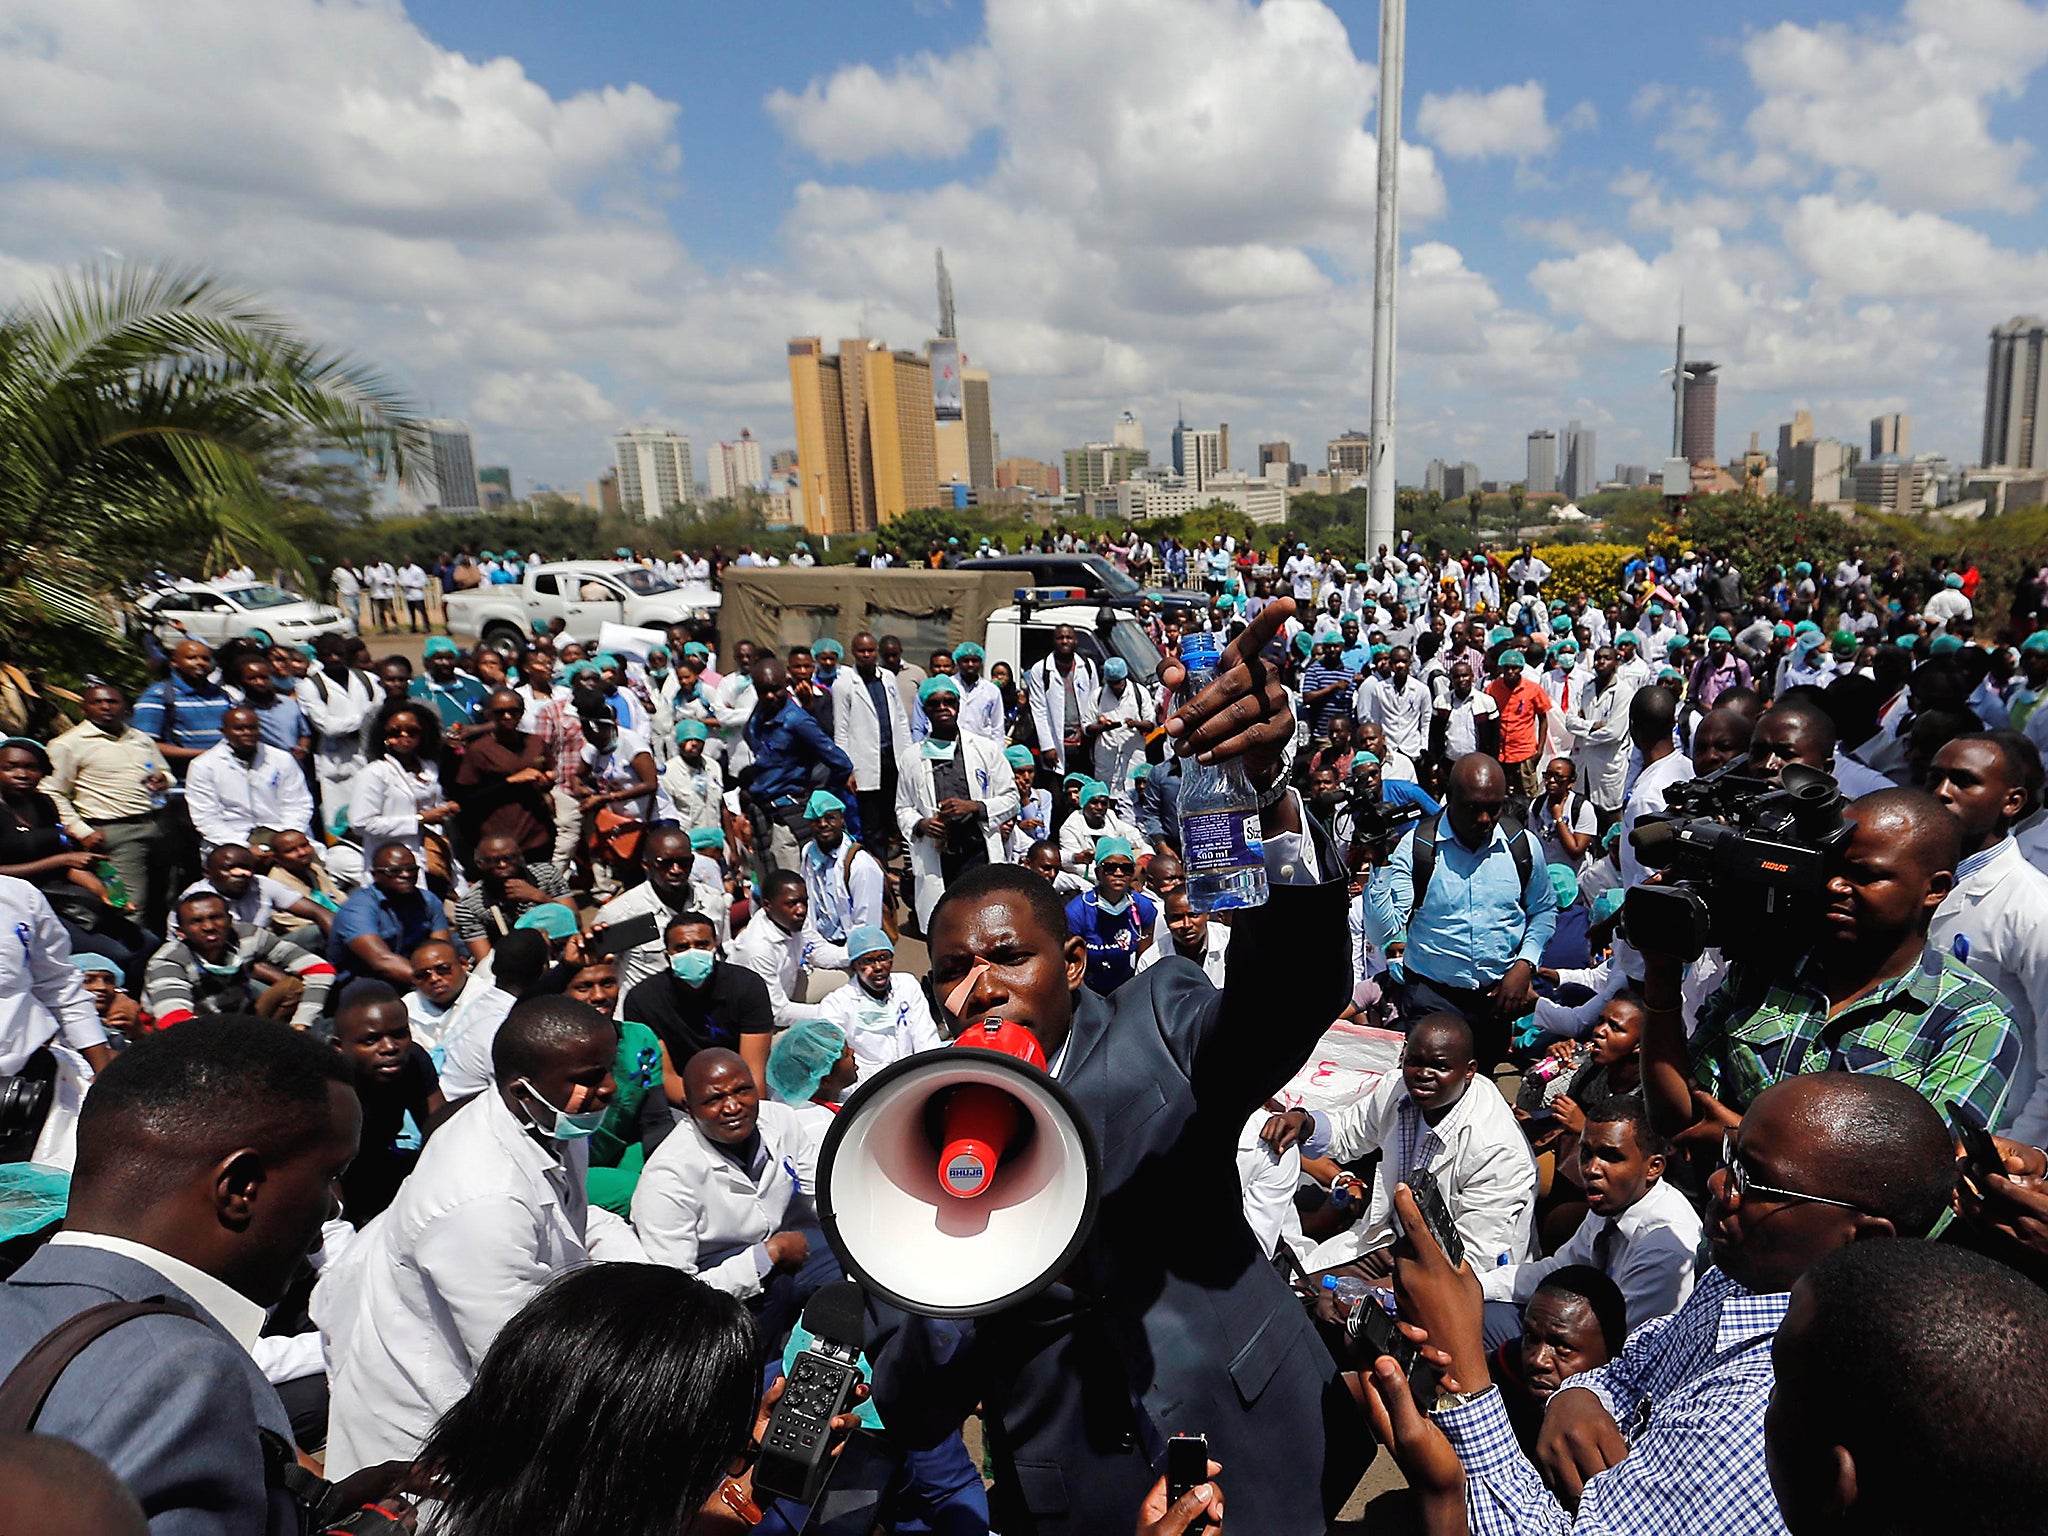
(1689, 1394)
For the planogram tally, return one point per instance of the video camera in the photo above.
(1746, 862)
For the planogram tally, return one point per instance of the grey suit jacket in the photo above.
(1171, 1308)
(172, 1405)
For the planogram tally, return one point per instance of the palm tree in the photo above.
(138, 410)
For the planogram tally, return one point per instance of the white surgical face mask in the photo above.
(566, 1127)
(1115, 908)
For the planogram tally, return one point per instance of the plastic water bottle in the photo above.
(1345, 1292)
(1220, 841)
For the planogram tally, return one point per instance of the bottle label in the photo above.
(1217, 842)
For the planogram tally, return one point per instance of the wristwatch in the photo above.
(1447, 1399)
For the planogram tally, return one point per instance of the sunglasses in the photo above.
(1738, 1175)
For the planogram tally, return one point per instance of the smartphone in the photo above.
(617, 938)
(1187, 1466)
(1980, 1152)
(1436, 1214)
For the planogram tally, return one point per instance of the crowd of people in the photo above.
(438, 1060)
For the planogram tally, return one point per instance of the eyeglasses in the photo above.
(1738, 1175)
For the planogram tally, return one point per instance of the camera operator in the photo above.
(1868, 995)
(1374, 809)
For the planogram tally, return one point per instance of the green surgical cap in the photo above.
(1020, 756)
(691, 730)
(706, 839)
(822, 803)
(1564, 883)
(1114, 848)
(939, 684)
(1092, 791)
(550, 918)
(967, 648)
(802, 1057)
(829, 647)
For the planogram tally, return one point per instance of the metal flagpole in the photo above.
(1379, 516)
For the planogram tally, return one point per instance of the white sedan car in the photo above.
(218, 611)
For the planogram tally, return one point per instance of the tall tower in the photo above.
(946, 327)
(2013, 432)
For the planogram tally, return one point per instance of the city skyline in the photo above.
(547, 236)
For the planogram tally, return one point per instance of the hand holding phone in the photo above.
(1980, 1153)
(1187, 1467)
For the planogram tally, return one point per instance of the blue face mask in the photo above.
(692, 966)
(1115, 908)
(565, 1127)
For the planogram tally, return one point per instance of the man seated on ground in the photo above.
(669, 859)
(1193, 937)
(507, 887)
(463, 1055)
(1437, 1113)
(1868, 994)
(1472, 891)
(718, 1199)
(1080, 836)
(209, 1157)
(883, 1014)
(1575, 1321)
(217, 965)
(398, 1089)
(380, 926)
(495, 1209)
(1114, 920)
(441, 991)
(257, 900)
(104, 981)
(1639, 1231)
(1043, 860)
(781, 947)
(698, 1001)
(298, 864)
(1819, 1163)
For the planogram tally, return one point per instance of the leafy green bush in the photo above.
(1763, 536)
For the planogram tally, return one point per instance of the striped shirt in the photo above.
(1937, 1026)
(175, 712)
(1336, 706)
(1688, 1394)
(176, 985)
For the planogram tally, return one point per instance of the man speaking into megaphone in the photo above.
(1168, 1318)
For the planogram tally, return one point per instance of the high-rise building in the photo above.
(1702, 388)
(981, 447)
(782, 461)
(1811, 472)
(1433, 475)
(1634, 476)
(1794, 432)
(444, 477)
(1541, 479)
(1198, 453)
(1891, 435)
(2014, 434)
(1129, 432)
(655, 471)
(1349, 457)
(1029, 474)
(608, 493)
(1274, 453)
(1460, 480)
(494, 484)
(1893, 485)
(735, 466)
(864, 433)
(1095, 465)
(1579, 478)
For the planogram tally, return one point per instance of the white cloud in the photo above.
(930, 108)
(1903, 109)
(1508, 123)
(1870, 250)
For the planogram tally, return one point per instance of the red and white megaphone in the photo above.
(960, 1181)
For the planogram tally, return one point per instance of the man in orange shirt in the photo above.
(1523, 704)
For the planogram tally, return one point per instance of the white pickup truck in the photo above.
(585, 594)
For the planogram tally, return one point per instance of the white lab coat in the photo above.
(43, 1003)
(990, 779)
(385, 806)
(1117, 751)
(1269, 1180)
(2001, 911)
(228, 799)
(857, 729)
(698, 1211)
(1484, 1168)
(337, 713)
(486, 1220)
(780, 959)
(1045, 692)
(1598, 724)
(883, 1029)
(694, 793)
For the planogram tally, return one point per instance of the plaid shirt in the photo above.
(1937, 1026)
(1688, 1393)
(560, 729)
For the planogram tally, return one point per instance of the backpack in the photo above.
(1425, 856)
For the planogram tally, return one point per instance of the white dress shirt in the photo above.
(487, 1218)
(781, 959)
(230, 798)
(1995, 920)
(1211, 961)
(1650, 1256)
(41, 998)
(462, 1049)
(1269, 1180)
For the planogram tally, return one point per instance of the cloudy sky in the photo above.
(552, 219)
